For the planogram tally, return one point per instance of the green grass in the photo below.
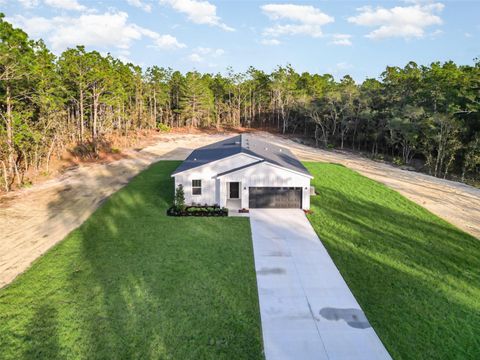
(131, 283)
(416, 276)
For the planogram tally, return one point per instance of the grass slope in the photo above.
(416, 276)
(131, 283)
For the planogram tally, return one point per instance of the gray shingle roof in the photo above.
(244, 143)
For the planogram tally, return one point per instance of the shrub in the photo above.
(198, 210)
(179, 201)
(398, 161)
(163, 127)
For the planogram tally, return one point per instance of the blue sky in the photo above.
(355, 37)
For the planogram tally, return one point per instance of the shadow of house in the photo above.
(400, 261)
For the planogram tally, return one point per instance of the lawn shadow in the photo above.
(41, 334)
(412, 273)
(147, 285)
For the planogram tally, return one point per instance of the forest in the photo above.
(423, 115)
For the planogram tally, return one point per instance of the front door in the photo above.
(234, 190)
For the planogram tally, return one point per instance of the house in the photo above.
(244, 172)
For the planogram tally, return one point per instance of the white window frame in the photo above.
(196, 187)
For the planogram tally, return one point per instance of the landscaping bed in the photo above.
(204, 210)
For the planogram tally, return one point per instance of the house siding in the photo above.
(212, 188)
(265, 174)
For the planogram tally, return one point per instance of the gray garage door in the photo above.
(275, 197)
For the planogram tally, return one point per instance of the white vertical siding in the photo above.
(211, 192)
(215, 190)
(265, 174)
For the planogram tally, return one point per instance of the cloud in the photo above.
(101, 31)
(198, 12)
(59, 4)
(297, 20)
(400, 21)
(194, 57)
(203, 54)
(270, 42)
(340, 68)
(341, 39)
(66, 4)
(140, 4)
(167, 42)
(28, 3)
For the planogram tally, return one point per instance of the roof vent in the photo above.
(194, 159)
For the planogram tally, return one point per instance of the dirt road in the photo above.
(35, 219)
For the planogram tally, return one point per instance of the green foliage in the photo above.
(163, 127)
(414, 275)
(421, 114)
(133, 283)
(179, 200)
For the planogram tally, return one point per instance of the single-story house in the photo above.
(244, 172)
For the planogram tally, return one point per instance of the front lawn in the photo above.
(416, 276)
(132, 283)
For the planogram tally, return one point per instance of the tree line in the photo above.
(415, 113)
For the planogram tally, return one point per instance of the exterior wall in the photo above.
(265, 174)
(213, 190)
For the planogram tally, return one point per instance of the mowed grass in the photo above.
(132, 283)
(416, 277)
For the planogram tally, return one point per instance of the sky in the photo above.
(358, 37)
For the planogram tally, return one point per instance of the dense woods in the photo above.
(415, 114)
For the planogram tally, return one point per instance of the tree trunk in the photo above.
(10, 148)
(81, 115)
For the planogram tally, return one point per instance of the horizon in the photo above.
(211, 37)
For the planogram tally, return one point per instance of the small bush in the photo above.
(198, 210)
(163, 127)
(398, 161)
(179, 201)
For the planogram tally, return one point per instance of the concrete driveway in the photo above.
(307, 310)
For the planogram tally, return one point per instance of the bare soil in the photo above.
(33, 220)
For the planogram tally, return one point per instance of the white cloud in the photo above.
(198, 12)
(340, 68)
(101, 31)
(343, 65)
(203, 54)
(341, 39)
(140, 4)
(28, 3)
(167, 42)
(300, 20)
(468, 35)
(195, 58)
(400, 21)
(66, 4)
(270, 42)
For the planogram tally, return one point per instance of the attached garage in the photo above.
(275, 197)
(244, 172)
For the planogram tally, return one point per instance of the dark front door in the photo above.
(275, 197)
(234, 190)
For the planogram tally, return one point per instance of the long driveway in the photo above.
(307, 310)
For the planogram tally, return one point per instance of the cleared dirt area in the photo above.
(35, 219)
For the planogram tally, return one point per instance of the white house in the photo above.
(244, 172)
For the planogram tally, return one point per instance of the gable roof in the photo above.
(246, 144)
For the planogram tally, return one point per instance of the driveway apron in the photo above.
(307, 310)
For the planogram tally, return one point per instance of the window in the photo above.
(234, 190)
(196, 187)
